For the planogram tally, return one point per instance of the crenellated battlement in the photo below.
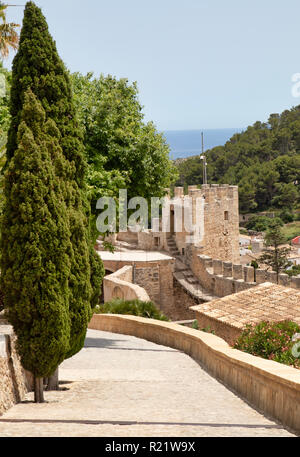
(214, 190)
(223, 278)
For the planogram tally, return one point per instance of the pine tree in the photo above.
(277, 256)
(35, 245)
(38, 66)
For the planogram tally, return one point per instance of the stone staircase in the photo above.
(172, 247)
(184, 275)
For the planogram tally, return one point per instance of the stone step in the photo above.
(188, 273)
(192, 280)
(172, 245)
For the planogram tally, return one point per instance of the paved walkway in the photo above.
(123, 386)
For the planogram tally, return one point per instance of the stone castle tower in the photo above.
(215, 214)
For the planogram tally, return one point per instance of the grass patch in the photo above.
(291, 230)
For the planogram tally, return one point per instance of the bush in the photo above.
(286, 216)
(258, 223)
(262, 223)
(131, 307)
(270, 340)
(294, 271)
(195, 325)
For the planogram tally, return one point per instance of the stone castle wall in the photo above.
(14, 383)
(214, 213)
(119, 285)
(156, 277)
(222, 278)
(221, 222)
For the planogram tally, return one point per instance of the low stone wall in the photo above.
(119, 285)
(224, 330)
(183, 301)
(271, 387)
(128, 237)
(155, 277)
(13, 382)
(225, 278)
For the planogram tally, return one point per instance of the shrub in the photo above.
(258, 223)
(270, 340)
(294, 271)
(131, 307)
(208, 329)
(262, 223)
(195, 325)
(286, 216)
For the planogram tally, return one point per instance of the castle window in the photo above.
(226, 215)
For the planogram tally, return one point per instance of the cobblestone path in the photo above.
(123, 386)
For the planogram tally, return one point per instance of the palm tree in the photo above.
(9, 38)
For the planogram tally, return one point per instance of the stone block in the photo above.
(3, 346)
(271, 276)
(237, 271)
(249, 274)
(227, 269)
(217, 267)
(260, 276)
(178, 192)
(284, 280)
(295, 282)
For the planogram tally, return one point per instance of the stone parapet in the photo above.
(119, 285)
(221, 278)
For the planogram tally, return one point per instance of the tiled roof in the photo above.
(267, 301)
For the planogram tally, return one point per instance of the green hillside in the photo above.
(264, 161)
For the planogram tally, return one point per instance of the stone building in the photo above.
(228, 316)
(213, 225)
(192, 256)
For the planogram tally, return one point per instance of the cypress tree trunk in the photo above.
(38, 390)
(52, 382)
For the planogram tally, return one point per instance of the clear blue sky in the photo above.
(198, 63)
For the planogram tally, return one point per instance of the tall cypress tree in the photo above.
(38, 66)
(35, 245)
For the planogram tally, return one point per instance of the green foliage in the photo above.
(131, 307)
(258, 223)
(276, 257)
(35, 265)
(195, 325)
(286, 216)
(37, 66)
(264, 161)
(208, 329)
(291, 230)
(294, 271)
(270, 340)
(122, 151)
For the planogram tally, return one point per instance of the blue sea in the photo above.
(186, 143)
